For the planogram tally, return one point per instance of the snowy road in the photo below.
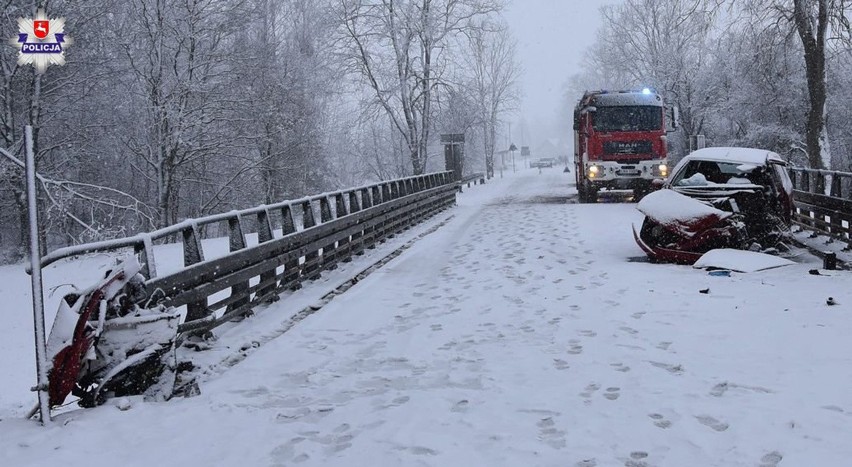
(524, 332)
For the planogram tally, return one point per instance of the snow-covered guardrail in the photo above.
(474, 178)
(316, 233)
(828, 214)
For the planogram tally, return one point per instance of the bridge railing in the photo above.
(474, 178)
(296, 240)
(827, 214)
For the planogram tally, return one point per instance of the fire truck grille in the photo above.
(626, 147)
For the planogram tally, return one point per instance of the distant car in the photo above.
(544, 162)
(718, 198)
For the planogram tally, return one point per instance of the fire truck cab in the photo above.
(619, 142)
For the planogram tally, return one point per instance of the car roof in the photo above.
(731, 154)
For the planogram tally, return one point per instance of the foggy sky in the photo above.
(552, 37)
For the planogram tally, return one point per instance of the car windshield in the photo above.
(703, 173)
(628, 118)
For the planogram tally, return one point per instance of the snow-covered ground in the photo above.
(526, 331)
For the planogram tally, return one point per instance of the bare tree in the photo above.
(178, 61)
(398, 47)
(492, 82)
(814, 20)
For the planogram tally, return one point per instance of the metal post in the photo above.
(35, 264)
(830, 261)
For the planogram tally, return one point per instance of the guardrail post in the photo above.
(407, 188)
(329, 252)
(264, 234)
(806, 181)
(236, 242)
(835, 186)
(370, 197)
(835, 225)
(311, 266)
(387, 195)
(354, 207)
(344, 246)
(829, 262)
(392, 227)
(291, 267)
(192, 254)
(145, 253)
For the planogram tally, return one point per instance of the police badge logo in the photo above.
(41, 41)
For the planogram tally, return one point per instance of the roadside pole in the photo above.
(35, 264)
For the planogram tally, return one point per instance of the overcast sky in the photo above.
(552, 36)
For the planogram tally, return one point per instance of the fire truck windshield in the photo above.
(628, 118)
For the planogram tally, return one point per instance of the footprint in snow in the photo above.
(460, 406)
(771, 460)
(590, 389)
(612, 393)
(660, 421)
(719, 390)
(560, 364)
(620, 367)
(636, 459)
(629, 330)
(673, 369)
(711, 422)
(550, 434)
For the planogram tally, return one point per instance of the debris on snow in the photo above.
(739, 261)
(123, 404)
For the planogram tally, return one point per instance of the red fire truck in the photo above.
(619, 142)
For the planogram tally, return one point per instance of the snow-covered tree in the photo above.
(399, 48)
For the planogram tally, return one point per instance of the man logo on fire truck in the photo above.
(619, 142)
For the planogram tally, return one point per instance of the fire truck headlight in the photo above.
(664, 169)
(594, 171)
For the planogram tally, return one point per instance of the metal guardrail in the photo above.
(474, 178)
(317, 232)
(828, 214)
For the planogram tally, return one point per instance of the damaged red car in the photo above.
(718, 198)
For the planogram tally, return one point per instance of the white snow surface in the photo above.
(740, 261)
(527, 331)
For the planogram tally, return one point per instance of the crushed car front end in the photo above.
(719, 198)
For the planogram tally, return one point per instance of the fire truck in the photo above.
(620, 142)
